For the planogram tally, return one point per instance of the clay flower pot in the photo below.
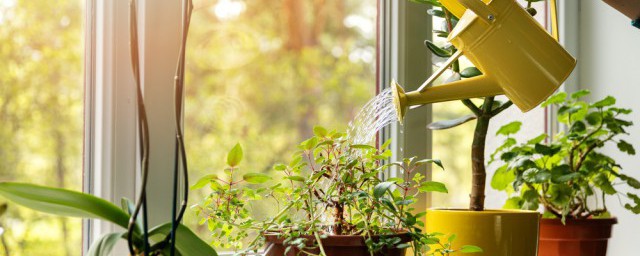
(335, 245)
(578, 237)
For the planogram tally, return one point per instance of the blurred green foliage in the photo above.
(265, 72)
(41, 99)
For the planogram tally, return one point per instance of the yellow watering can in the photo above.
(517, 57)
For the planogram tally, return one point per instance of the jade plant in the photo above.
(570, 175)
(330, 187)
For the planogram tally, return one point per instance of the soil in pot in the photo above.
(578, 237)
(335, 245)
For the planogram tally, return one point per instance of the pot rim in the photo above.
(338, 240)
(590, 221)
(483, 212)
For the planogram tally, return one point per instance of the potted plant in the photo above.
(331, 201)
(570, 175)
(497, 232)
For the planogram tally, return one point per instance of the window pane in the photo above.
(41, 104)
(263, 73)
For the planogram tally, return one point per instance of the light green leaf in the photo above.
(433, 186)
(470, 249)
(555, 99)
(235, 155)
(513, 203)
(608, 101)
(381, 188)
(103, 245)
(502, 178)
(319, 131)
(510, 128)
(580, 93)
(187, 243)
(256, 178)
(63, 202)
(295, 178)
(428, 161)
(205, 180)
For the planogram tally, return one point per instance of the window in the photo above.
(41, 116)
(264, 73)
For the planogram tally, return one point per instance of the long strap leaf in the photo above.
(63, 202)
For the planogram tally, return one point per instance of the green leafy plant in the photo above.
(571, 176)
(330, 187)
(70, 203)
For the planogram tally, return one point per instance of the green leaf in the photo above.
(538, 139)
(470, 72)
(430, 2)
(602, 181)
(633, 208)
(428, 161)
(560, 194)
(594, 118)
(626, 147)
(235, 156)
(205, 180)
(446, 124)
(555, 99)
(437, 13)
(3, 209)
(187, 243)
(513, 203)
(256, 178)
(470, 249)
(381, 188)
(295, 178)
(502, 178)
(509, 128)
(546, 150)
(608, 101)
(534, 175)
(362, 146)
(451, 238)
(579, 94)
(437, 50)
(433, 186)
(103, 245)
(319, 131)
(63, 202)
(632, 182)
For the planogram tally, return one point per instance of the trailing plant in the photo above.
(330, 187)
(570, 176)
(70, 203)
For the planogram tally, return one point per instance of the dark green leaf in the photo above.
(538, 139)
(436, 12)
(470, 72)
(594, 118)
(578, 127)
(103, 245)
(536, 175)
(509, 128)
(187, 243)
(446, 124)
(381, 188)
(256, 178)
(626, 147)
(632, 182)
(437, 50)
(235, 155)
(433, 186)
(546, 150)
(633, 208)
(560, 194)
(602, 181)
(63, 202)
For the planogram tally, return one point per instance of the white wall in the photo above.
(609, 64)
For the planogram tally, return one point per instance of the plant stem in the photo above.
(479, 173)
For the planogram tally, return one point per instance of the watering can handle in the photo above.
(481, 9)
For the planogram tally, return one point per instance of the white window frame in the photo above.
(110, 160)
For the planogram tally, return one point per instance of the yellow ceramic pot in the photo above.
(497, 232)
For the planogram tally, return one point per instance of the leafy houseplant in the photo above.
(570, 176)
(331, 190)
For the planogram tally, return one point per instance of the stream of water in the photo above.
(375, 115)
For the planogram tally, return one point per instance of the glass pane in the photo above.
(41, 116)
(263, 73)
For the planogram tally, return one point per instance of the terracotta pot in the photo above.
(578, 237)
(336, 245)
(497, 232)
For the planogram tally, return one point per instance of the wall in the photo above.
(609, 57)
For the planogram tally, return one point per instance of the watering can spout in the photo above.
(475, 87)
